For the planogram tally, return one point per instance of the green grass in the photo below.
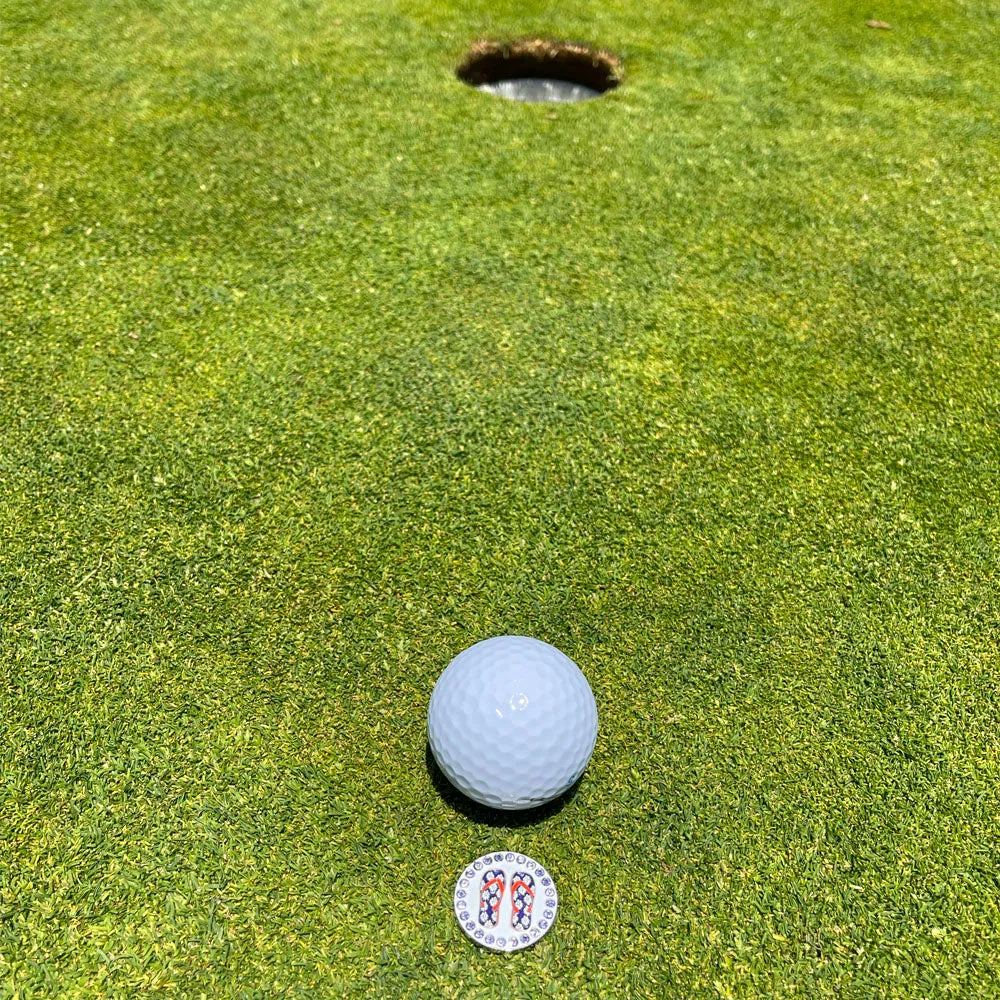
(317, 366)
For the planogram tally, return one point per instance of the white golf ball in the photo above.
(512, 722)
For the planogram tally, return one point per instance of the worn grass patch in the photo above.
(316, 366)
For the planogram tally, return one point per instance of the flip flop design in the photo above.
(522, 895)
(490, 894)
(487, 878)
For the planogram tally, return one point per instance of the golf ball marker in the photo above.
(512, 722)
(505, 901)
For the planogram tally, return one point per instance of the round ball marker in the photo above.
(505, 901)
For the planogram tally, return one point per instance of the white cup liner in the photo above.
(535, 90)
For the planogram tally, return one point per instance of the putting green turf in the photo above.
(317, 366)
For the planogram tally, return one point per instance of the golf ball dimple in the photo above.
(512, 722)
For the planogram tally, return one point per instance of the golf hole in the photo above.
(538, 71)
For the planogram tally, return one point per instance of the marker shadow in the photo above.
(510, 818)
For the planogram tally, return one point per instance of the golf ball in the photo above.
(512, 722)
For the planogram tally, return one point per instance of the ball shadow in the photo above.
(510, 818)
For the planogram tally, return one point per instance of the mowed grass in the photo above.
(317, 366)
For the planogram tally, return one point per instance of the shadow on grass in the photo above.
(510, 818)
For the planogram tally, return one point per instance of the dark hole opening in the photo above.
(495, 62)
